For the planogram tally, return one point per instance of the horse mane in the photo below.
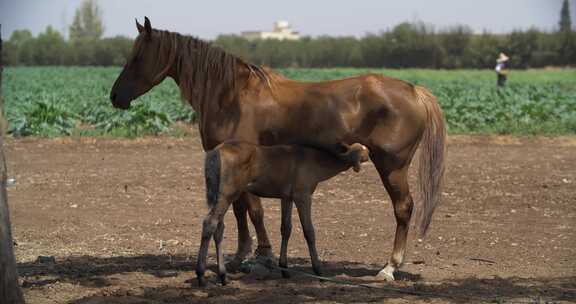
(205, 72)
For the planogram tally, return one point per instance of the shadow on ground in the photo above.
(97, 273)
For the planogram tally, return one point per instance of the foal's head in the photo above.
(149, 63)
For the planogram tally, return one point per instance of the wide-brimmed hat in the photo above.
(502, 57)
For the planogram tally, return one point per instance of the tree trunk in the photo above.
(10, 292)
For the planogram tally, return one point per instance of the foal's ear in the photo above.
(147, 26)
(139, 26)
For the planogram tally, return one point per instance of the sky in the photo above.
(208, 19)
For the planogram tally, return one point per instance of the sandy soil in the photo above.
(122, 220)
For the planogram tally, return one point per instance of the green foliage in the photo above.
(411, 45)
(49, 48)
(523, 44)
(516, 109)
(87, 24)
(59, 101)
(141, 119)
(56, 101)
(565, 23)
(44, 117)
(406, 45)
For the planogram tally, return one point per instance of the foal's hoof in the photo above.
(284, 270)
(386, 275)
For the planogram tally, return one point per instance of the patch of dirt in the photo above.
(123, 217)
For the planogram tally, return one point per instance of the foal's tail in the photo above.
(432, 151)
(212, 174)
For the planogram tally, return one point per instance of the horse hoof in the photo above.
(264, 252)
(234, 265)
(285, 274)
(385, 275)
(201, 282)
(239, 258)
(223, 279)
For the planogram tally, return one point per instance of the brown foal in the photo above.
(288, 172)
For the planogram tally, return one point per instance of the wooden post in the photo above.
(10, 292)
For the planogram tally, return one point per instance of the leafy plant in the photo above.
(44, 118)
(60, 101)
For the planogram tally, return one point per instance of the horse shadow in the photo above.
(100, 273)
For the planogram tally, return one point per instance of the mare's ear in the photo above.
(139, 26)
(147, 26)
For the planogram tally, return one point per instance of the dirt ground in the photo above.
(122, 220)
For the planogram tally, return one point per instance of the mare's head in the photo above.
(149, 63)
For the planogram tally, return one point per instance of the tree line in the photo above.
(412, 45)
(406, 45)
(50, 48)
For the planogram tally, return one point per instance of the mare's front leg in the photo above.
(252, 204)
(244, 241)
(256, 213)
(304, 206)
(286, 230)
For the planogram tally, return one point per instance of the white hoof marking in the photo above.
(386, 274)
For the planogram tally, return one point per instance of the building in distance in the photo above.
(281, 31)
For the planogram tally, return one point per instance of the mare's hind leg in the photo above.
(396, 183)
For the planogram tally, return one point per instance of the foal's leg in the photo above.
(209, 227)
(286, 229)
(218, 236)
(304, 206)
(396, 183)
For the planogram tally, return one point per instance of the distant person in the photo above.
(502, 69)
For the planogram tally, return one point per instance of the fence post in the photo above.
(10, 292)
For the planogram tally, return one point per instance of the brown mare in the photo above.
(288, 172)
(242, 101)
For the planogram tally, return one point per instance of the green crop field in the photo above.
(60, 101)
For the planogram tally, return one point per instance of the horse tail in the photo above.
(432, 150)
(212, 165)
